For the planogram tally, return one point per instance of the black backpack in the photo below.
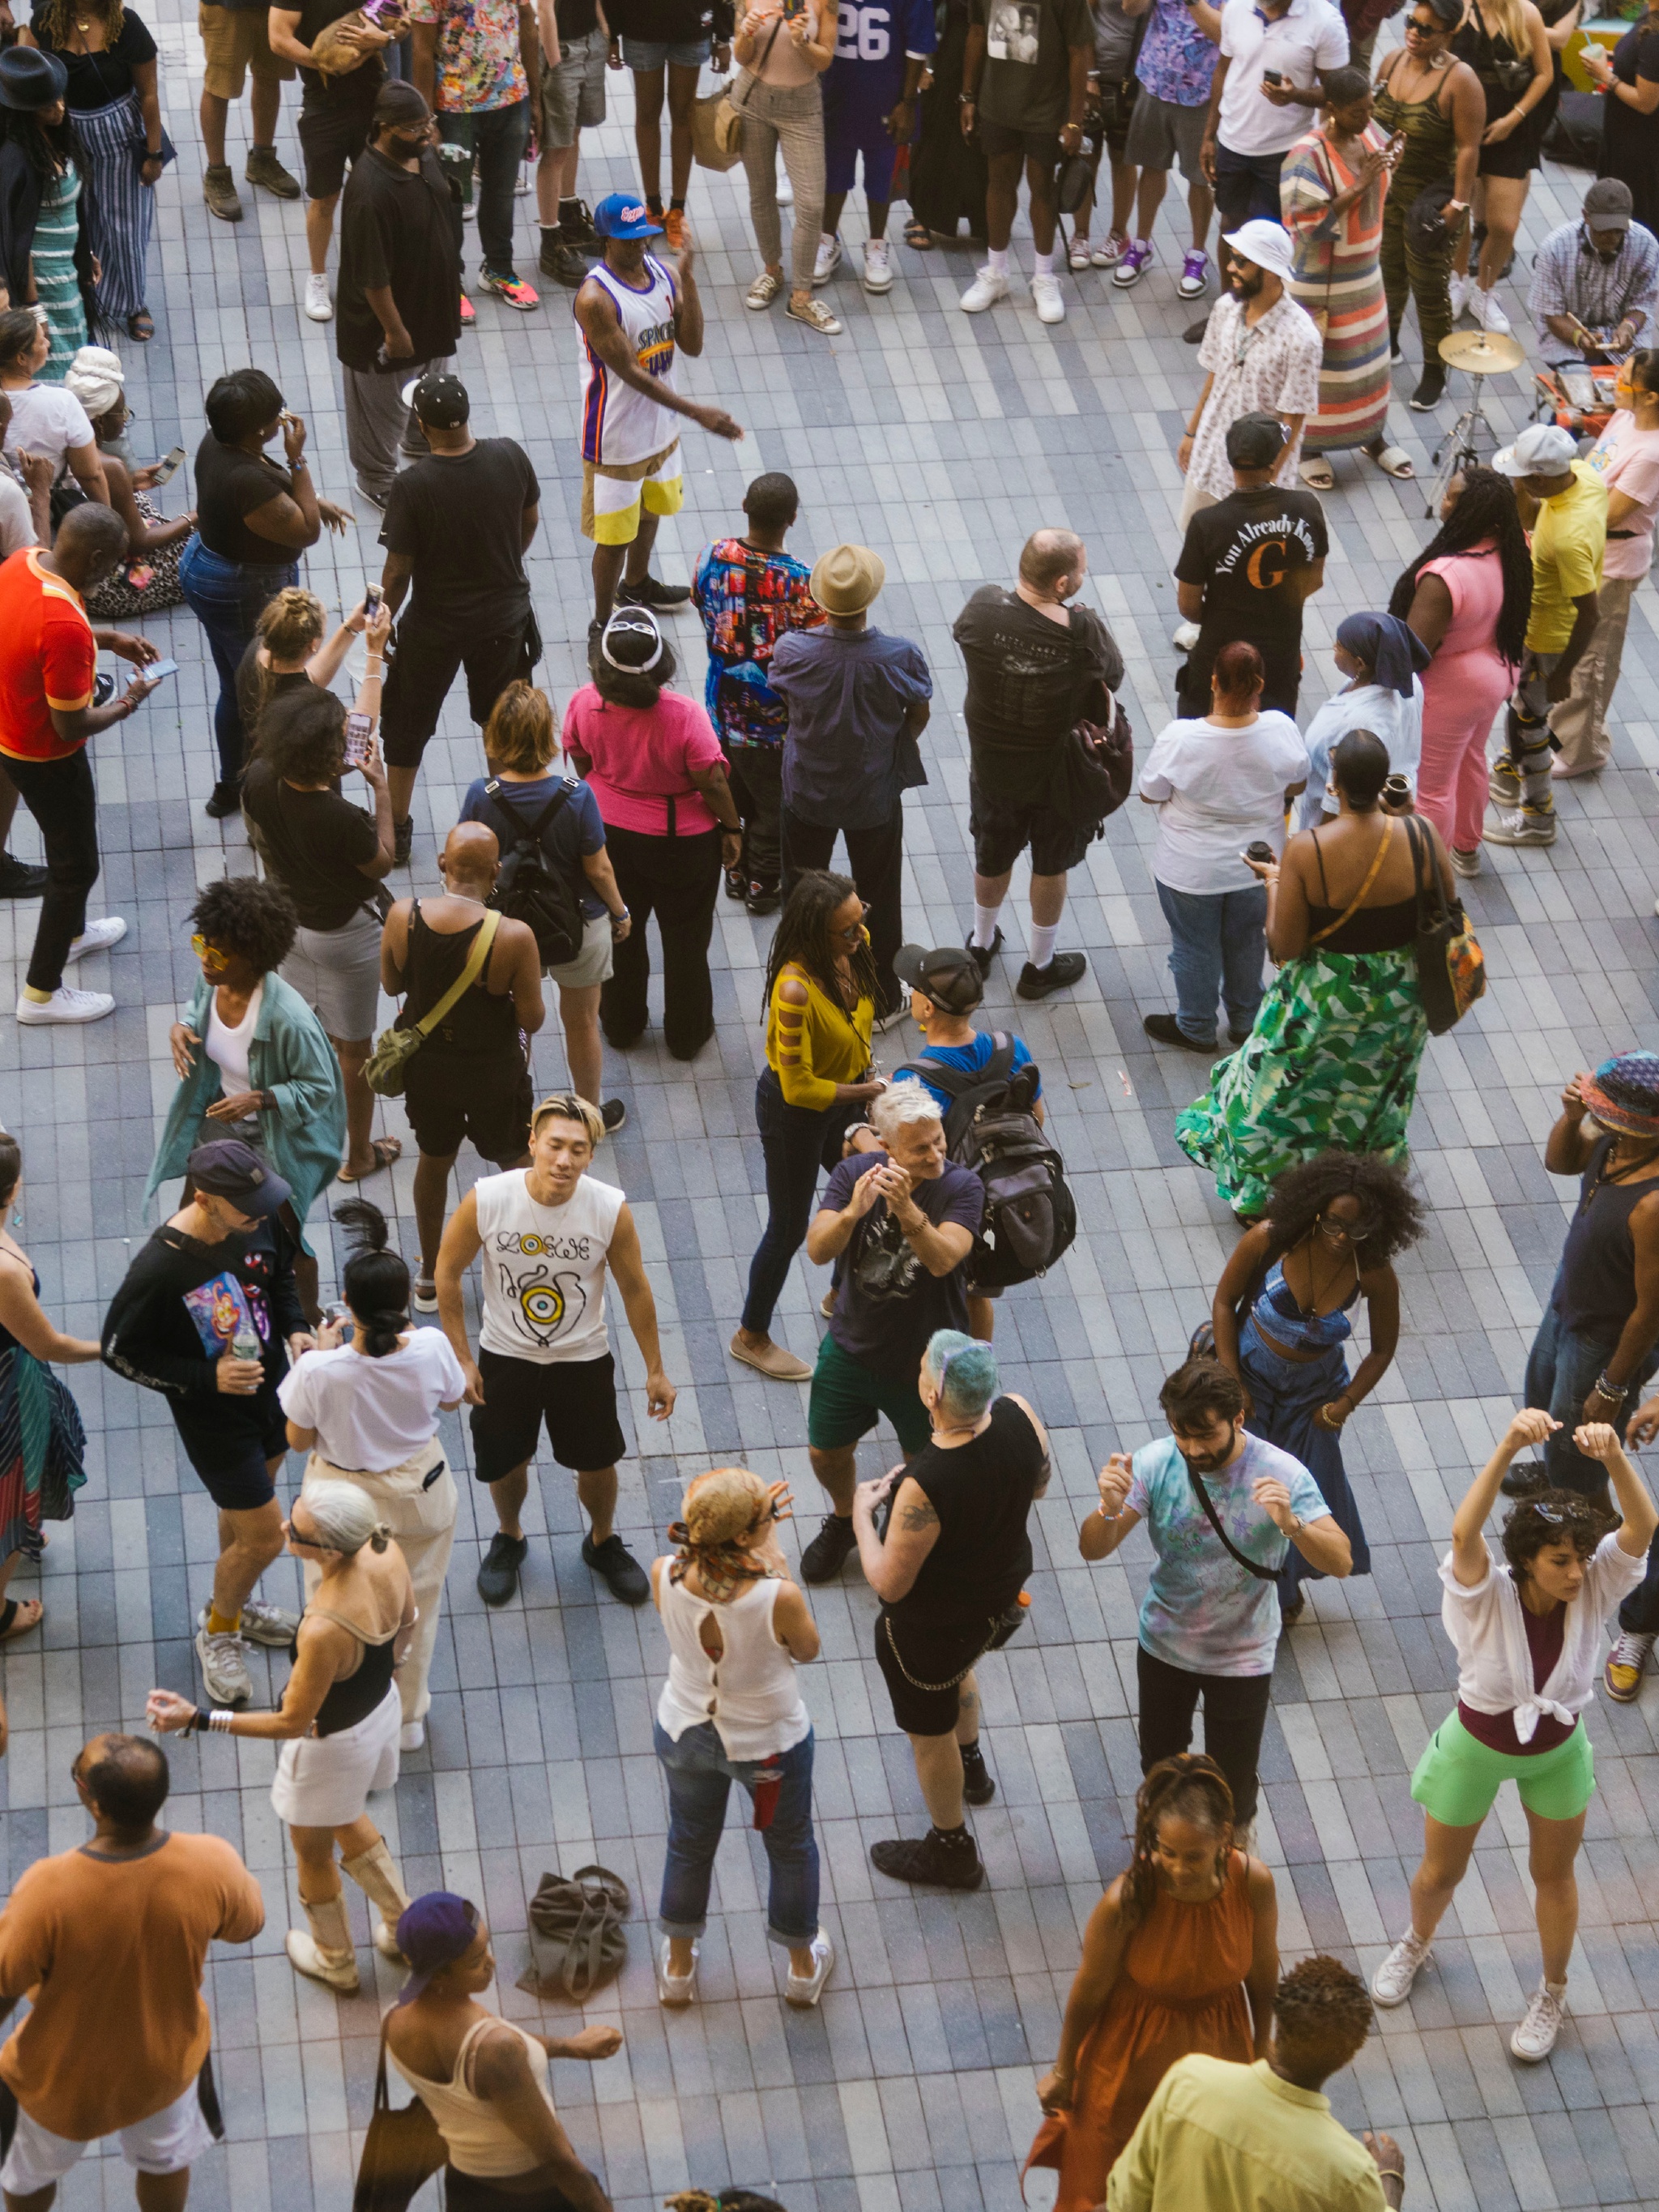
(1030, 1216)
(529, 888)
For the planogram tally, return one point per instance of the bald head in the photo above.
(125, 1779)
(1053, 562)
(472, 855)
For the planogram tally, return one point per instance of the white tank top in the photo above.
(476, 2137)
(228, 1048)
(751, 1693)
(618, 423)
(544, 1268)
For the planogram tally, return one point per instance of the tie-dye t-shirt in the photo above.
(1176, 60)
(478, 63)
(1202, 1611)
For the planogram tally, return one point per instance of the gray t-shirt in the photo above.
(1115, 39)
(16, 521)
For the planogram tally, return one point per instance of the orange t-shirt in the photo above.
(112, 1951)
(47, 658)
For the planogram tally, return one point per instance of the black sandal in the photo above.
(8, 1628)
(141, 315)
(917, 234)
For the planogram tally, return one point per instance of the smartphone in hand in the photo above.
(359, 737)
(169, 465)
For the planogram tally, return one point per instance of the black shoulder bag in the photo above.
(1261, 1574)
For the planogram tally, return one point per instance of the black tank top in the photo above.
(1373, 929)
(481, 1022)
(1596, 1286)
(356, 1698)
(981, 1492)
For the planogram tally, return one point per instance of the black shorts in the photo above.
(230, 1454)
(994, 139)
(933, 1653)
(422, 669)
(1001, 828)
(332, 133)
(575, 1398)
(452, 1096)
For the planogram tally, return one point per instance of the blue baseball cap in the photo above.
(432, 1932)
(620, 215)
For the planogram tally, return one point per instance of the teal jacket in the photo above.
(303, 1135)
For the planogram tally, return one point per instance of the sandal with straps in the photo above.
(10, 1627)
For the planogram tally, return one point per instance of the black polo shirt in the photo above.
(399, 227)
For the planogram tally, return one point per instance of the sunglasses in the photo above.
(1559, 1517)
(311, 1543)
(1432, 29)
(1331, 1228)
(852, 936)
(203, 951)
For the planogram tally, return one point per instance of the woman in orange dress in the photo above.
(1167, 1956)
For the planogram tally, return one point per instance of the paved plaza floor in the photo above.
(942, 442)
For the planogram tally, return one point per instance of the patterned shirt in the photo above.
(478, 64)
(1176, 60)
(747, 601)
(1571, 278)
(1271, 366)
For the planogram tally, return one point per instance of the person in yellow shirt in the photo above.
(1262, 2138)
(1565, 502)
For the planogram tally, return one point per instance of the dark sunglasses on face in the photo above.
(1432, 29)
(852, 936)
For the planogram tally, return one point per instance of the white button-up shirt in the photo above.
(1310, 39)
(1270, 367)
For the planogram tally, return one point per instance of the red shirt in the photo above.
(1546, 1635)
(47, 658)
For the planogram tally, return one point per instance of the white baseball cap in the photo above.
(1267, 244)
(1543, 449)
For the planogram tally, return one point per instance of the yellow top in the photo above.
(812, 1048)
(1568, 540)
(1231, 2138)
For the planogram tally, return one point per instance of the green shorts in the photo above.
(847, 1398)
(1458, 1776)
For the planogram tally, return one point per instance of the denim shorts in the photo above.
(647, 55)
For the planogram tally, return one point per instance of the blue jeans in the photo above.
(227, 597)
(795, 1141)
(1561, 1371)
(1217, 941)
(1246, 184)
(1285, 1395)
(498, 136)
(700, 1778)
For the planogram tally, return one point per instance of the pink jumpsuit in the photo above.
(1466, 683)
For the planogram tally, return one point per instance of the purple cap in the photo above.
(432, 1932)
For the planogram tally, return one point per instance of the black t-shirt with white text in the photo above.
(1248, 552)
(460, 519)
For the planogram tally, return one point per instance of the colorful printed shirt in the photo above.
(747, 601)
(1202, 1612)
(478, 64)
(1176, 60)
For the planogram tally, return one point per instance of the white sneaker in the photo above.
(1459, 289)
(97, 936)
(829, 260)
(271, 1624)
(1184, 636)
(317, 303)
(1492, 318)
(65, 1005)
(1465, 864)
(224, 1668)
(1536, 2037)
(412, 1735)
(987, 289)
(675, 1989)
(878, 266)
(807, 1989)
(1621, 1677)
(1391, 1985)
(1047, 299)
(786, 190)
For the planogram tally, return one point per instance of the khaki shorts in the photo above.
(234, 41)
(613, 496)
(593, 963)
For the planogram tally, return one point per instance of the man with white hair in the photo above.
(902, 1221)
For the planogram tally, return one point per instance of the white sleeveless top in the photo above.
(751, 1693)
(618, 423)
(544, 1268)
(476, 2137)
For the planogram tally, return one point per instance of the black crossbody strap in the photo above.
(1261, 1574)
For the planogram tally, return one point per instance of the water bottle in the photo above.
(246, 1344)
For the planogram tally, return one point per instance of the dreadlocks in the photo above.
(803, 939)
(1193, 1789)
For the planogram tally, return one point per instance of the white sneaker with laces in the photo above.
(224, 1668)
(1047, 298)
(97, 936)
(675, 1989)
(828, 259)
(1459, 289)
(265, 1624)
(411, 1736)
(317, 303)
(65, 1005)
(1487, 313)
(878, 266)
(1391, 1985)
(987, 289)
(807, 1989)
(1546, 2010)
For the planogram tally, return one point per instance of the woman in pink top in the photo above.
(1628, 458)
(1467, 595)
(651, 758)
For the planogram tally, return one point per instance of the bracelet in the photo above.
(196, 1723)
(219, 1721)
(1606, 1390)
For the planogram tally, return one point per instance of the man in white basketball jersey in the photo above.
(634, 315)
(547, 1233)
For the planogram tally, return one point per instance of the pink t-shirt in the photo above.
(641, 757)
(1628, 461)
(1475, 582)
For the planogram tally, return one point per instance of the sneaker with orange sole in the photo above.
(673, 224)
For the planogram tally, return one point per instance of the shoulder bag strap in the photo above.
(755, 74)
(1320, 935)
(1432, 909)
(468, 977)
(1261, 1574)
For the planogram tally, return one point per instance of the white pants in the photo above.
(167, 2143)
(423, 1521)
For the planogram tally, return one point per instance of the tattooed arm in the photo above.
(891, 1568)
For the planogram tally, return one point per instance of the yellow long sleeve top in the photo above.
(812, 1048)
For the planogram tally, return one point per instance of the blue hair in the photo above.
(965, 1371)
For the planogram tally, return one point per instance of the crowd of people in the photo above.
(1190, 2066)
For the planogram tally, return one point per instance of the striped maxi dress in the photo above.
(1338, 278)
(56, 286)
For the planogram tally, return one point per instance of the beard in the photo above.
(1210, 1463)
(1244, 288)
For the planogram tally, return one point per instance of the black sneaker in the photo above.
(824, 1559)
(1432, 389)
(977, 1785)
(983, 956)
(1166, 1029)
(930, 1858)
(650, 592)
(613, 1113)
(1062, 971)
(1523, 1478)
(498, 1577)
(225, 799)
(402, 841)
(737, 883)
(19, 880)
(759, 899)
(617, 1568)
(1240, 1036)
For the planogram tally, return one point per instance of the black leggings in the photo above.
(1235, 1712)
(796, 1142)
(59, 794)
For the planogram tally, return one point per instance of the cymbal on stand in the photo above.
(1482, 353)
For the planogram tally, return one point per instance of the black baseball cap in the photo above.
(1255, 441)
(438, 398)
(948, 975)
(227, 1167)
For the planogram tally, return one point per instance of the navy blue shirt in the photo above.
(575, 832)
(847, 692)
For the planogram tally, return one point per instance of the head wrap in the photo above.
(1623, 1094)
(95, 377)
(1390, 648)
